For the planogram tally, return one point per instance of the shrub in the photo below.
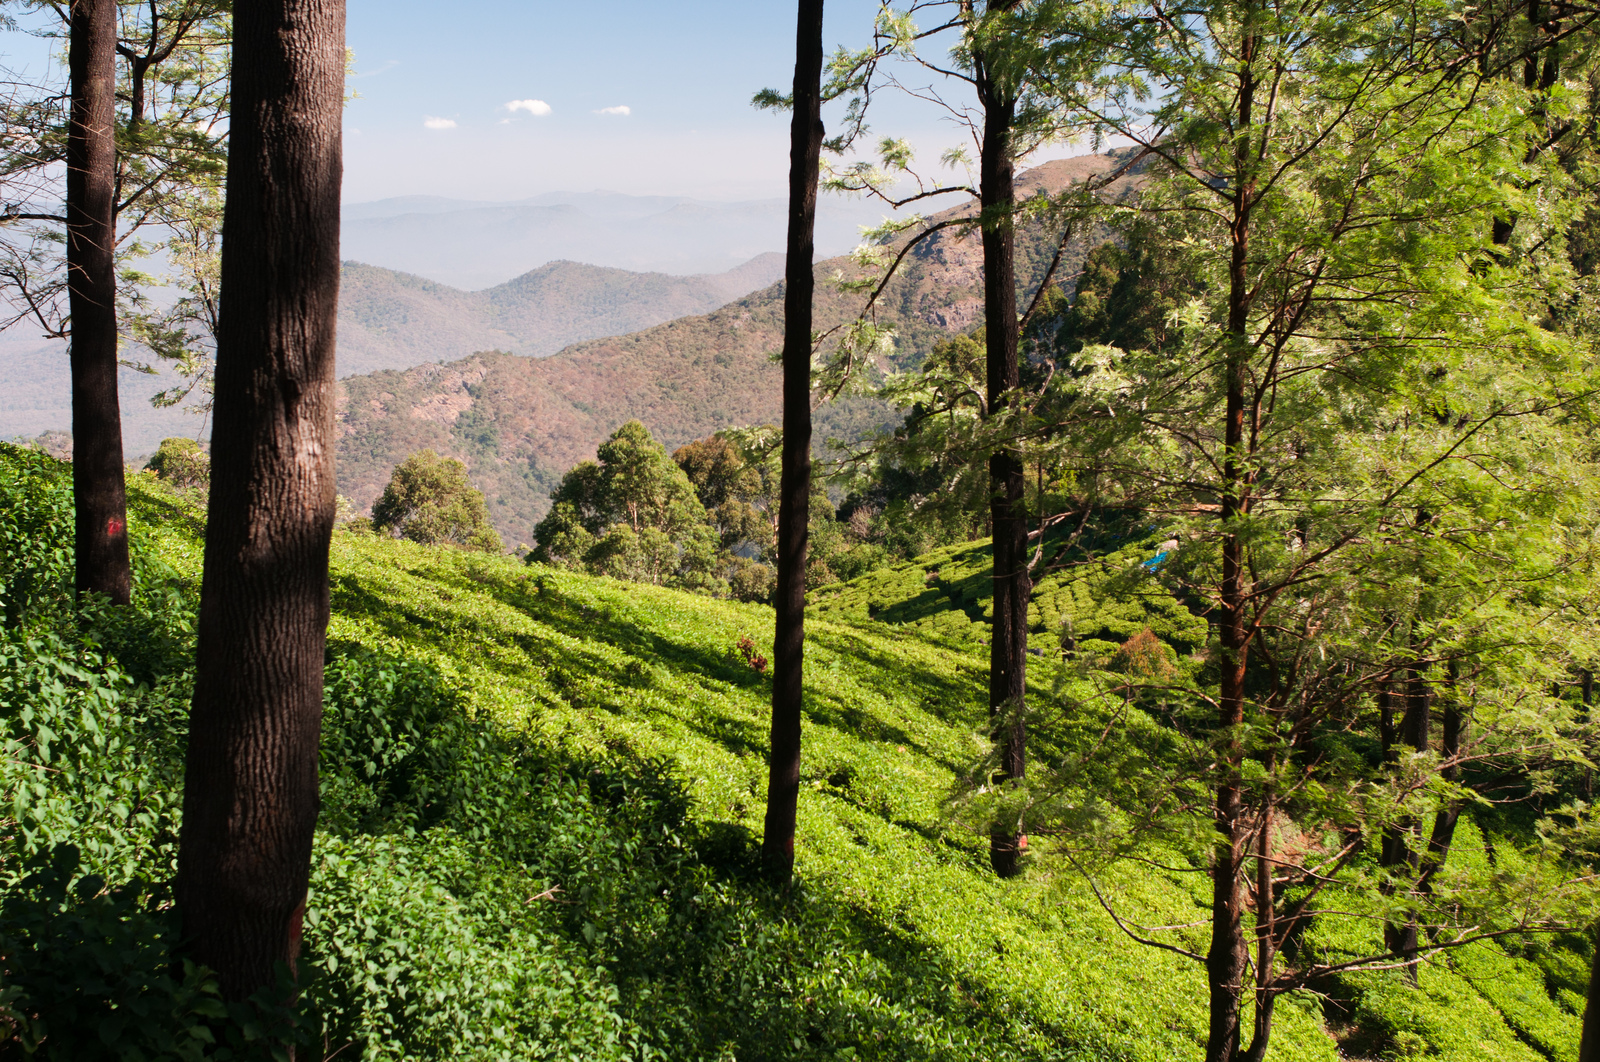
(750, 580)
(181, 462)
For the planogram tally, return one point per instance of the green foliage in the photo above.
(89, 971)
(735, 475)
(182, 462)
(430, 500)
(413, 970)
(1087, 600)
(35, 536)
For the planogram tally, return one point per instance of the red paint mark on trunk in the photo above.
(116, 526)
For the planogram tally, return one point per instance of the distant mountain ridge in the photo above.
(394, 320)
(519, 423)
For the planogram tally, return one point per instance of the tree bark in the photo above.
(1226, 957)
(1266, 934)
(98, 491)
(250, 784)
(794, 506)
(1452, 729)
(1008, 518)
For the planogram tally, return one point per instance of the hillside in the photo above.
(520, 423)
(584, 888)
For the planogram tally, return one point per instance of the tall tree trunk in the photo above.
(794, 507)
(1586, 684)
(1008, 518)
(250, 797)
(98, 491)
(1226, 956)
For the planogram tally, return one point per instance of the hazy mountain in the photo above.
(37, 396)
(473, 245)
(519, 423)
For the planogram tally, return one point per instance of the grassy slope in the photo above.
(894, 714)
(591, 661)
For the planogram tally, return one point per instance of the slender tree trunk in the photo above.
(1008, 517)
(98, 491)
(1586, 684)
(250, 785)
(1589, 1045)
(1401, 852)
(1452, 731)
(794, 489)
(1266, 929)
(1226, 957)
(1225, 960)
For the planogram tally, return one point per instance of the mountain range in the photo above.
(472, 245)
(520, 422)
(521, 380)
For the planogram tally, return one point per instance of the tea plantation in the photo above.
(541, 797)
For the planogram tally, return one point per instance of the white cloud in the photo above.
(439, 123)
(537, 108)
(384, 69)
(615, 110)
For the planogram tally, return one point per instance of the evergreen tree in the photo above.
(1305, 419)
(632, 514)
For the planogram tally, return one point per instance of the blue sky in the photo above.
(434, 85)
(685, 72)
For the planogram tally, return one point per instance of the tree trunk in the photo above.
(1266, 929)
(1452, 732)
(1589, 1045)
(98, 491)
(250, 784)
(794, 507)
(1586, 684)
(1401, 852)
(1008, 518)
(1225, 960)
(1226, 957)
